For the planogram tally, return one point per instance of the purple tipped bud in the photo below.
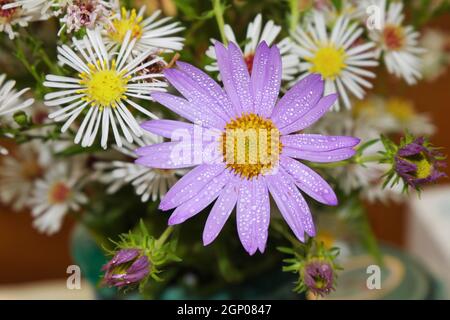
(127, 267)
(318, 276)
(418, 164)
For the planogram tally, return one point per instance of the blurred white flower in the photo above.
(56, 194)
(148, 183)
(256, 33)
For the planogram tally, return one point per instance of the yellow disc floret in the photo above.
(104, 87)
(122, 24)
(401, 109)
(328, 61)
(251, 145)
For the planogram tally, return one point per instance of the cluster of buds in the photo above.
(414, 161)
(138, 258)
(315, 265)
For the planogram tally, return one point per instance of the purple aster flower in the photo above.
(127, 267)
(318, 276)
(417, 164)
(245, 173)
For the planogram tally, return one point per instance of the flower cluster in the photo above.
(195, 109)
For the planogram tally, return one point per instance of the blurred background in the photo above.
(28, 258)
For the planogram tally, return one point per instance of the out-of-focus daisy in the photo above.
(103, 90)
(256, 34)
(331, 13)
(408, 118)
(148, 183)
(437, 56)
(19, 171)
(367, 120)
(55, 195)
(244, 174)
(398, 44)
(13, 16)
(338, 57)
(149, 33)
(10, 101)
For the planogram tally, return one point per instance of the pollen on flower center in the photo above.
(424, 167)
(393, 37)
(251, 145)
(105, 87)
(121, 25)
(58, 193)
(328, 61)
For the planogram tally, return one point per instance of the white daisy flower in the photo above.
(13, 16)
(149, 33)
(148, 183)
(10, 101)
(19, 171)
(55, 195)
(103, 90)
(397, 43)
(256, 34)
(336, 56)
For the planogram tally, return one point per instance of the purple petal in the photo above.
(171, 155)
(291, 203)
(200, 201)
(327, 156)
(211, 88)
(123, 256)
(266, 78)
(178, 130)
(411, 149)
(298, 100)
(220, 213)
(253, 214)
(190, 185)
(317, 142)
(235, 77)
(312, 115)
(196, 95)
(309, 181)
(188, 110)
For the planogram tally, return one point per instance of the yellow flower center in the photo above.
(59, 192)
(106, 87)
(393, 37)
(251, 145)
(121, 25)
(424, 166)
(329, 61)
(401, 109)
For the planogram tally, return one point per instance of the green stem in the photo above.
(164, 236)
(295, 15)
(21, 55)
(218, 12)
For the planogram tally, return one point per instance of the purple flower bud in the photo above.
(417, 164)
(127, 267)
(318, 276)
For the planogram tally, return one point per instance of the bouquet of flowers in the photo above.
(153, 123)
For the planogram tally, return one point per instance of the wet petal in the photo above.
(220, 213)
(309, 181)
